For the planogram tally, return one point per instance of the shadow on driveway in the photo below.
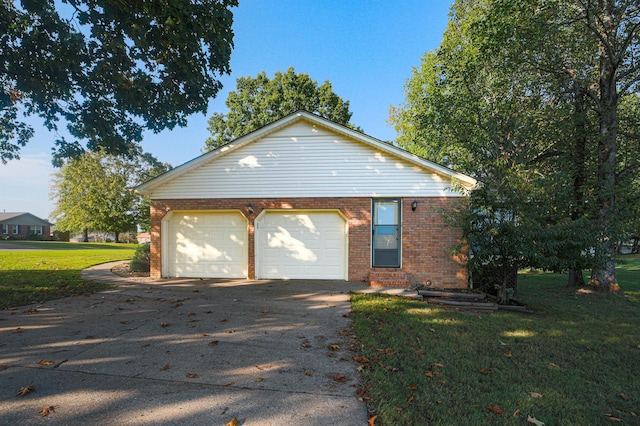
(184, 351)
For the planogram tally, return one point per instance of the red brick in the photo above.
(427, 240)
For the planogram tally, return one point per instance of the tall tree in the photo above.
(597, 45)
(94, 192)
(261, 100)
(110, 69)
(560, 67)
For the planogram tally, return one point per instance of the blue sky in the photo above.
(366, 49)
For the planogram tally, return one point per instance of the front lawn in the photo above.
(33, 276)
(575, 361)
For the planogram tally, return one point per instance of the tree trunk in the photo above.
(604, 278)
(634, 248)
(575, 278)
(579, 174)
(117, 236)
(85, 235)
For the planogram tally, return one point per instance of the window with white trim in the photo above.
(386, 229)
(5, 228)
(35, 229)
(16, 229)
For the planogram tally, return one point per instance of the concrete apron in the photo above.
(184, 352)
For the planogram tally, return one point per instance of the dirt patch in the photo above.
(124, 271)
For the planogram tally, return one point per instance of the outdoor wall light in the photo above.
(428, 283)
(414, 205)
(250, 209)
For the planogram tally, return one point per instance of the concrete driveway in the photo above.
(184, 351)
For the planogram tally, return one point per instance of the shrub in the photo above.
(140, 261)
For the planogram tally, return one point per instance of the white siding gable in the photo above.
(305, 160)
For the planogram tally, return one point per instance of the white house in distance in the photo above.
(306, 198)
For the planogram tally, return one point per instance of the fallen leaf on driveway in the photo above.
(372, 420)
(334, 347)
(45, 362)
(47, 410)
(192, 376)
(233, 422)
(214, 342)
(361, 359)
(340, 378)
(229, 331)
(259, 379)
(306, 373)
(165, 367)
(164, 324)
(306, 345)
(26, 390)
(229, 384)
(18, 330)
(534, 421)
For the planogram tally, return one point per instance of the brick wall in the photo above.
(24, 232)
(426, 241)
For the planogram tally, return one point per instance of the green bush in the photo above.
(140, 261)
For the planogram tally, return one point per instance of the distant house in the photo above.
(143, 237)
(23, 226)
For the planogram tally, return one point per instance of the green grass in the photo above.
(33, 276)
(580, 352)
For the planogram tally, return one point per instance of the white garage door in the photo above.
(206, 245)
(310, 245)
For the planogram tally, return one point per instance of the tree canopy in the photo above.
(109, 69)
(527, 97)
(94, 192)
(259, 101)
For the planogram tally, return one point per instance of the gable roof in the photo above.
(22, 218)
(290, 120)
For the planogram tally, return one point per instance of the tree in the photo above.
(110, 69)
(602, 41)
(93, 192)
(481, 114)
(261, 100)
(535, 84)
